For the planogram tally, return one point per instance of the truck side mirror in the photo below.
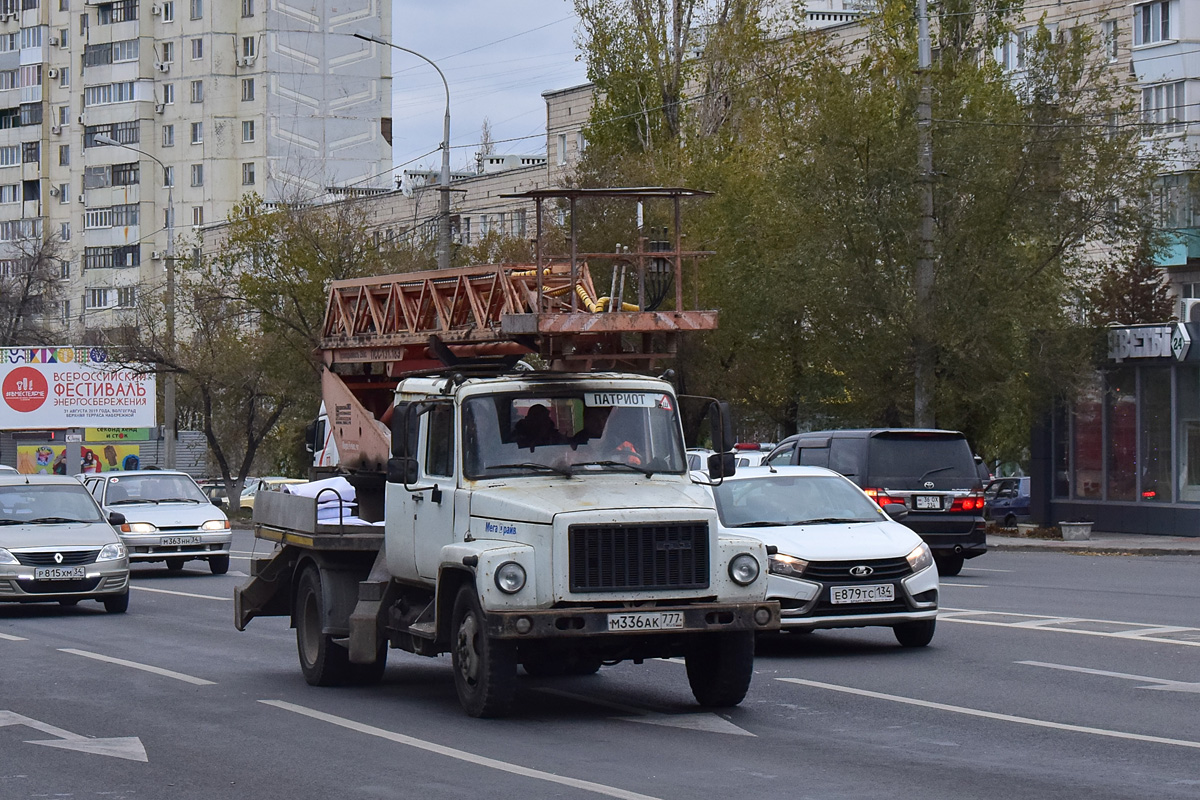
(314, 432)
(402, 470)
(405, 420)
(721, 465)
(721, 420)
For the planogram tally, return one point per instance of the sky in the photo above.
(498, 57)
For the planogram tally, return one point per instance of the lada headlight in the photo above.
(787, 566)
(920, 558)
(138, 527)
(111, 552)
(215, 525)
(744, 569)
(7, 557)
(510, 577)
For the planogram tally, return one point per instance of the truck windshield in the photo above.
(571, 433)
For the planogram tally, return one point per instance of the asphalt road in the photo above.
(1051, 676)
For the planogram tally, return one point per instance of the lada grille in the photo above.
(72, 558)
(607, 558)
(881, 569)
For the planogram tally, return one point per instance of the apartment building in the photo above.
(208, 100)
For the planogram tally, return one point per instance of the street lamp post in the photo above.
(444, 203)
(169, 377)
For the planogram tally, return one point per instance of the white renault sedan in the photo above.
(839, 561)
(57, 546)
(168, 517)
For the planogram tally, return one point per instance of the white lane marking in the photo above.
(166, 673)
(975, 712)
(10, 638)
(985, 569)
(706, 722)
(965, 585)
(181, 594)
(1160, 684)
(126, 747)
(1137, 631)
(460, 755)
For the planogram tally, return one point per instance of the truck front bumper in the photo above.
(562, 623)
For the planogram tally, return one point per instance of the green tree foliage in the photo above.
(815, 220)
(30, 290)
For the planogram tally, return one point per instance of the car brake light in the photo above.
(883, 498)
(972, 502)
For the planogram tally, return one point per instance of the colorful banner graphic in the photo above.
(116, 435)
(34, 459)
(68, 387)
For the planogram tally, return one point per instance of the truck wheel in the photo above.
(915, 634)
(949, 566)
(219, 564)
(323, 661)
(719, 668)
(485, 669)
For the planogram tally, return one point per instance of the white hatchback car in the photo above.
(839, 560)
(168, 517)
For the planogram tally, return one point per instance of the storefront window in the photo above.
(1121, 409)
(1188, 422)
(1156, 435)
(1062, 451)
(1089, 444)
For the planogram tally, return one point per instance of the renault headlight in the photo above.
(788, 566)
(7, 557)
(138, 527)
(920, 558)
(111, 552)
(215, 525)
(510, 577)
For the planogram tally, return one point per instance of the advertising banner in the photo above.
(116, 435)
(70, 387)
(34, 459)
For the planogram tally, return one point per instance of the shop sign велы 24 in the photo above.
(70, 387)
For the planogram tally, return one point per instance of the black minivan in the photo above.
(930, 472)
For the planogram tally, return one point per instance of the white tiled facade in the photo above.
(232, 96)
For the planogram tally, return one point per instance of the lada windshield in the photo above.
(152, 488)
(571, 433)
(33, 504)
(775, 500)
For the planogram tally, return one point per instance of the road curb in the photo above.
(1095, 550)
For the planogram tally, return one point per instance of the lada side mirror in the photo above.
(896, 511)
(116, 518)
(216, 501)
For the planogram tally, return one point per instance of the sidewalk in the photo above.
(1103, 544)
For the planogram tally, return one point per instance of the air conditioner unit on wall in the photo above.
(53, 41)
(162, 66)
(156, 255)
(54, 191)
(160, 108)
(56, 128)
(52, 73)
(156, 9)
(1189, 309)
(246, 61)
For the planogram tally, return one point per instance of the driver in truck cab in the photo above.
(604, 432)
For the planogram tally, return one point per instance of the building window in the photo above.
(247, 88)
(66, 310)
(168, 11)
(126, 50)
(168, 177)
(197, 132)
(1164, 108)
(1108, 38)
(95, 298)
(248, 130)
(168, 136)
(31, 152)
(122, 132)
(117, 11)
(248, 174)
(64, 270)
(197, 215)
(197, 91)
(64, 115)
(126, 297)
(248, 47)
(169, 93)
(197, 9)
(247, 8)
(126, 174)
(168, 52)
(197, 49)
(31, 37)
(562, 148)
(1152, 22)
(30, 113)
(108, 93)
(10, 155)
(64, 155)
(64, 193)
(197, 174)
(64, 231)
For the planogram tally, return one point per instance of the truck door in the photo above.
(434, 514)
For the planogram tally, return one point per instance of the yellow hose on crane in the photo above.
(597, 306)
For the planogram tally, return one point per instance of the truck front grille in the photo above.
(607, 558)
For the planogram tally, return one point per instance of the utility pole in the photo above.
(924, 378)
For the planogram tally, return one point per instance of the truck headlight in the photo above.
(138, 527)
(510, 577)
(111, 552)
(215, 525)
(788, 566)
(744, 569)
(920, 558)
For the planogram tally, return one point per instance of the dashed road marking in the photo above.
(1112, 629)
(460, 755)
(166, 673)
(180, 594)
(10, 638)
(975, 712)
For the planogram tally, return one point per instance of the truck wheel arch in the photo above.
(450, 580)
